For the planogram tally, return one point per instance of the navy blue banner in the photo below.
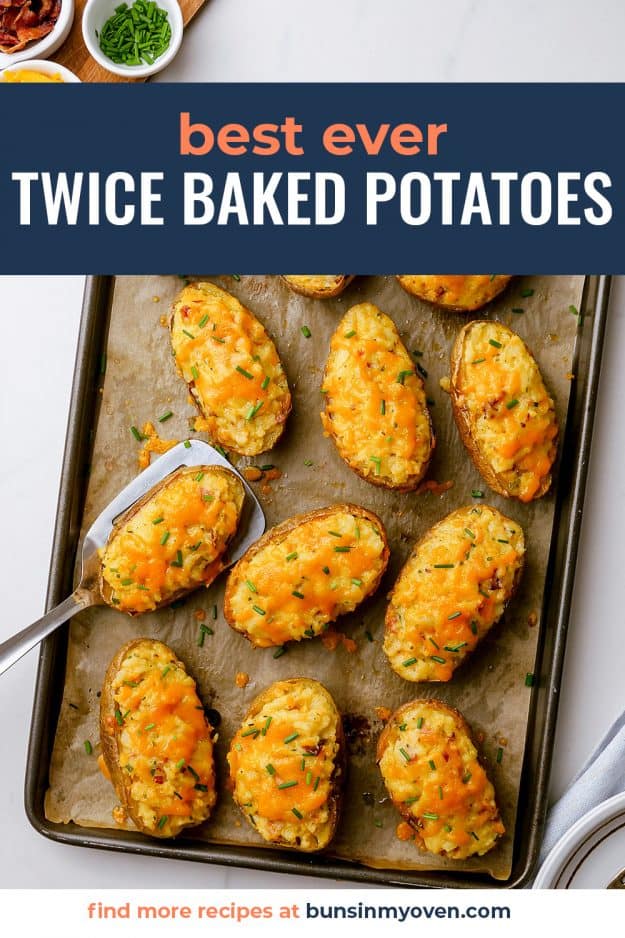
(267, 178)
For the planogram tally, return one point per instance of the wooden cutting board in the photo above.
(73, 53)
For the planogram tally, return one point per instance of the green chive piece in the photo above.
(138, 436)
(466, 778)
(316, 785)
(251, 586)
(455, 648)
(437, 659)
(189, 334)
(162, 822)
(235, 277)
(432, 764)
(574, 310)
(478, 361)
(290, 737)
(492, 277)
(430, 816)
(342, 550)
(469, 533)
(193, 773)
(309, 778)
(150, 726)
(499, 754)
(266, 726)
(158, 520)
(349, 334)
(335, 534)
(178, 561)
(440, 792)
(408, 662)
(261, 612)
(529, 679)
(474, 628)
(265, 383)
(251, 732)
(165, 538)
(443, 566)
(254, 410)
(419, 723)
(290, 784)
(165, 416)
(292, 556)
(118, 717)
(368, 635)
(88, 747)
(474, 835)
(377, 462)
(382, 407)
(281, 650)
(270, 769)
(203, 321)
(527, 292)
(517, 310)
(477, 493)
(306, 332)
(412, 800)
(454, 615)
(404, 754)
(512, 403)
(199, 477)
(494, 343)
(246, 374)
(297, 813)
(180, 763)
(326, 570)
(201, 787)
(401, 377)
(165, 671)
(187, 444)
(297, 594)
(308, 462)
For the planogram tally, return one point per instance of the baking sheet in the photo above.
(490, 690)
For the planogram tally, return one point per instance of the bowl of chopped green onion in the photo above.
(134, 39)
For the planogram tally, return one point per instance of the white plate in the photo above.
(45, 47)
(591, 854)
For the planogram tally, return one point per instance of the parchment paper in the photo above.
(489, 689)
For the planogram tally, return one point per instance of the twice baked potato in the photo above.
(287, 765)
(304, 573)
(231, 368)
(157, 744)
(432, 772)
(503, 411)
(452, 590)
(458, 292)
(318, 286)
(375, 405)
(172, 540)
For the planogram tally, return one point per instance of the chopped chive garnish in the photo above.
(189, 334)
(349, 334)
(265, 383)
(290, 737)
(215, 611)
(477, 493)
(527, 292)
(194, 372)
(235, 277)
(261, 612)
(126, 582)
(203, 321)
(404, 754)
(130, 683)
(326, 570)
(412, 800)
(443, 566)
(158, 520)
(193, 773)
(430, 816)
(341, 550)
(251, 732)
(150, 726)
(574, 310)
(251, 586)
(518, 310)
(316, 785)
(306, 332)
(199, 477)
(455, 648)
(290, 784)
(180, 763)
(448, 829)
(356, 581)
(266, 726)
(292, 556)
(162, 822)
(88, 747)
(253, 410)
(187, 444)
(368, 635)
(267, 467)
(270, 769)
(474, 628)
(469, 533)
(419, 723)
(309, 778)
(201, 787)
(377, 462)
(512, 403)
(165, 671)
(402, 727)
(492, 277)
(474, 835)
(383, 407)
(178, 561)
(335, 534)
(216, 338)
(118, 717)
(401, 377)
(466, 778)
(408, 662)
(499, 754)
(281, 650)
(297, 594)
(165, 538)
(431, 640)
(297, 813)
(454, 615)
(200, 637)
(529, 679)
(165, 416)
(494, 343)
(138, 436)
(246, 374)
(440, 792)
(432, 764)
(478, 361)
(437, 659)
(501, 540)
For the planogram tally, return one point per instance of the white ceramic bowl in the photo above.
(46, 68)
(97, 12)
(49, 44)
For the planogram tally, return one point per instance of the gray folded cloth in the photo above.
(601, 777)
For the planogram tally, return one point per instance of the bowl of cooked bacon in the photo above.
(33, 29)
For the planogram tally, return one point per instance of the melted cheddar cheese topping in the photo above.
(431, 770)
(282, 764)
(455, 291)
(450, 593)
(301, 576)
(317, 284)
(376, 409)
(165, 746)
(512, 415)
(231, 367)
(173, 541)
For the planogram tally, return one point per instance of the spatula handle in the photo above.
(15, 647)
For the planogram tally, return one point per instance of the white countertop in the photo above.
(42, 314)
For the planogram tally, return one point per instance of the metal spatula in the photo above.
(87, 593)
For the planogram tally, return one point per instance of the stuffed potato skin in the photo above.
(457, 292)
(375, 405)
(504, 414)
(318, 286)
(434, 777)
(157, 744)
(172, 540)
(453, 589)
(231, 368)
(304, 573)
(287, 765)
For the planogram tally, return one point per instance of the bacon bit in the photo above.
(21, 24)
(164, 322)
(152, 444)
(253, 473)
(404, 831)
(119, 815)
(532, 619)
(242, 679)
(159, 779)
(436, 488)
(383, 713)
(200, 615)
